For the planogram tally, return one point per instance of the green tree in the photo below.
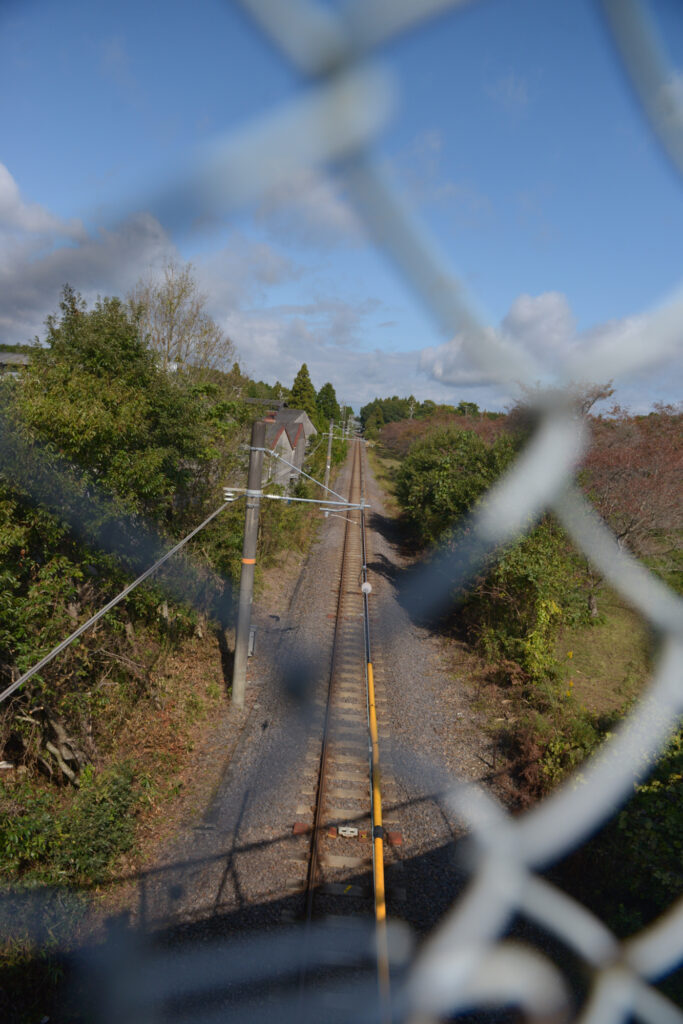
(328, 405)
(303, 393)
(467, 409)
(103, 455)
(97, 394)
(527, 590)
(444, 475)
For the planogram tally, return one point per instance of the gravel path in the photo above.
(436, 734)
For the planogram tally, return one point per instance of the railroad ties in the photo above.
(334, 856)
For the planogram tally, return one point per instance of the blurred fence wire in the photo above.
(466, 963)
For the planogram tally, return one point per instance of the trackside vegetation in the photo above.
(537, 598)
(106, 459)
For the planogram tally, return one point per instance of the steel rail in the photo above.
(322, 774)
(316, 857)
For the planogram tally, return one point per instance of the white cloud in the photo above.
(544, 327)
(32, 273)
(39, 253)
(18, 216)
(333, 321)
(449, 364)
(324, 334)
(275, 342)
(543, 324)
(240, 273)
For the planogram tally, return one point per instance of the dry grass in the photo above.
(609, 662)
(385, 465)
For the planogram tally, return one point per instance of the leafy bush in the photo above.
(630, 872)
(576, 734)
(444, 475)
(515, 607)
(648, 833)
(515, 610)
(43, 839)
(101, 825)
(97, 395)
(29, 831)
(103, 456)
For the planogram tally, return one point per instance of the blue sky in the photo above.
(513, 135)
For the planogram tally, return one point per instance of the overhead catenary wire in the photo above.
(107, 607)
(276, 455)
(51, 655)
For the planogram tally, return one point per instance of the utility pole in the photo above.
(329, 456)
(253, 500)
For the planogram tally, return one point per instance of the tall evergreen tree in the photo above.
(303, 393)
(328, 405)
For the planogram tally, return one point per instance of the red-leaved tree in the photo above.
(633, 473)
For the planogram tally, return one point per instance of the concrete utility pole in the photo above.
(253, 500)
(329, 456)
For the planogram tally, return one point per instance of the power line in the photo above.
(275, 455)
(103, 611)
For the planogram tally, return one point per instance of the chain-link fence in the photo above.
(466, 963)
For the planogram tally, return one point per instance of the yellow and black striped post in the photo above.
(378, 849)
(376, 790)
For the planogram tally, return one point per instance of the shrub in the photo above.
(515, 610)
(648, 833)
(515, 607)
(100, 825)
(444, 475)
(43, 839)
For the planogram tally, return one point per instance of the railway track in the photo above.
(344, 837)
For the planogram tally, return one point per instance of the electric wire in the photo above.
(275, 455)
(107, 607)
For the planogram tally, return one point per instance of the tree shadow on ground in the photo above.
(227, 658)
(253, 962)
(405, 574)
(395, 532)
(212, 959)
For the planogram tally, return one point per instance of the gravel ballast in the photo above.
(237, 866)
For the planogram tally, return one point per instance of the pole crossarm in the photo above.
(233, 493)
